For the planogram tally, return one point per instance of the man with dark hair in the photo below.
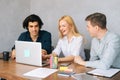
(105, 47)
(33, 24)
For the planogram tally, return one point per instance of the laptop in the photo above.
(29, 53)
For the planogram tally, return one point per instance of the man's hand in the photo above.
(44, 53)
(13, 54)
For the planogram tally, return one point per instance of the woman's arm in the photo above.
(65, 59)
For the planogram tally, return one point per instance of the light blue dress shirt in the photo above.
(75, 47)
(105, 53)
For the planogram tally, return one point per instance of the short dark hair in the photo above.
(32, 18)
(97, 19)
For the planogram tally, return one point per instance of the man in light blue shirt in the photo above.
(105, 47)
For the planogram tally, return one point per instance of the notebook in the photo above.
(29, 53)
(106, 73)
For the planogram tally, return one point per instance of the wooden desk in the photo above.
(14, 71)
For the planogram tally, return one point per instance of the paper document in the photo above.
(40, 72)
(107, 73)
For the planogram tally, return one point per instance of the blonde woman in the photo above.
(70, 42)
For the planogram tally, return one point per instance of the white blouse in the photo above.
(74, 47)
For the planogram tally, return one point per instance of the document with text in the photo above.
(40, 72)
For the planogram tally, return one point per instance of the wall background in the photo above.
(13, 12)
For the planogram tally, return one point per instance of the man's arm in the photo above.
(109, 54)
(13, 54)
(46, 44)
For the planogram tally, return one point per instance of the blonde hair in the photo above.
(70, 21)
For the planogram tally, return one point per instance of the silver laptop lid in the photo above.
(28, 53)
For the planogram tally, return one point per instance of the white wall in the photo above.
(51, 10)
(12, 13)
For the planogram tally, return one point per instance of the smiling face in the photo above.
(33, 28)
(64, 27)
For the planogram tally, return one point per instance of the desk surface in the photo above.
(14, 71)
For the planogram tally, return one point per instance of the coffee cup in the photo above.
(5, 55)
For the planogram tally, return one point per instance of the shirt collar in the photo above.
(65, 38)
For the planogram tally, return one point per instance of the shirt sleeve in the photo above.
(46, 42)
(57, 50)
(110, 52)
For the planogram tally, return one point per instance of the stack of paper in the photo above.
(107, 73)
(40, 72)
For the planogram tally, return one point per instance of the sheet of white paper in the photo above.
(40, 72)
(107, 73)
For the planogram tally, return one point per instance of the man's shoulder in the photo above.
(113, 35)
(44, 32)
(25, 33)
(112, 38)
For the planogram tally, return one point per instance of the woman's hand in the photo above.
(79, 60)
